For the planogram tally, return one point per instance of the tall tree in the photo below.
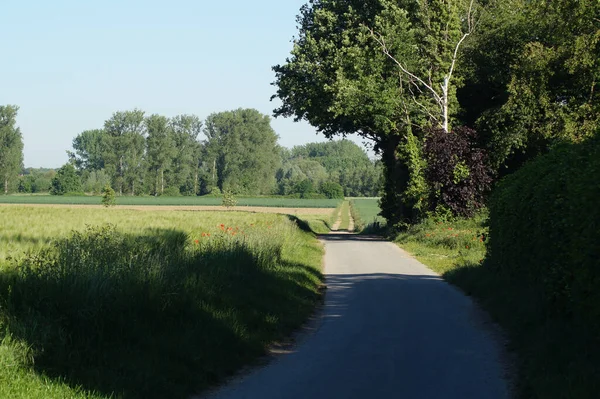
(244, 149)
(11, 146)
(124, 149)
(186, 129)
(540, 63)
(88, 150)
(373, 68)
(161, 149)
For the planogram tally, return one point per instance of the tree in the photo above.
(124, 149)
(88, 150)
(533, 77)
(160, 149)
(184, 173)
(66, 181)
(243, 147)
(11, 146)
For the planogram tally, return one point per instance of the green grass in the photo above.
(365, 212)
(149, 305)
(556, 358)
(344, 216)
(280, 202)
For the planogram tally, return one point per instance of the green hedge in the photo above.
(545, 230)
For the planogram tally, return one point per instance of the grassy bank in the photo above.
(280, 202)
(556, 358)
(365, 212)
(146, 305)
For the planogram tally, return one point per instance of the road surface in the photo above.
(389, 328)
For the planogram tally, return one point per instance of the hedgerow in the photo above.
(545, 229)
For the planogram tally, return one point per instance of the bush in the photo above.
(66, 181)
(457, 171)
(332, 190)
(108, 196)
(545, 229)
(229, 200)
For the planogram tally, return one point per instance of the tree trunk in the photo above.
(5, 185)
(162, 181)
(393, 208)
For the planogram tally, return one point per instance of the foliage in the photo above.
(108, 196)
(244, 149)
(332, 190)
(36, 180)
(155, 312)
(365, 212)
(95, 181)
(340, 79)
(229, 200)
(534, 71)
(66, 181)
(457, 171)
(11, 147)
(543, 229)
(344, 162)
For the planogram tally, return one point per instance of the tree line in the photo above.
(234, 151)
(452, 94)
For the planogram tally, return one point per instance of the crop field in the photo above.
(365, 213)
(99, 303)
(280, 202)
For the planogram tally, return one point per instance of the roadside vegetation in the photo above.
(344, 216)
(533, 265)
(146, 305)
(365, 212)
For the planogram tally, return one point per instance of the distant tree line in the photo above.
(233, 151)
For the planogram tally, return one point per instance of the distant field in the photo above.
(171, 201)
(365, 212)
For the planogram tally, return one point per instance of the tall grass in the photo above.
(141, 310)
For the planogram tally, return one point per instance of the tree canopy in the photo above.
(11, 147)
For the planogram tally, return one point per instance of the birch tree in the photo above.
(442, 26)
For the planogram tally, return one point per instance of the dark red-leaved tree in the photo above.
(457, 171)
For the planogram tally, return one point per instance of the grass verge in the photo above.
(154, 306)
(344, 216)
(365, 212)
(556, 358)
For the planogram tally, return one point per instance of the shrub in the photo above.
(457, 171)
(544, 229)
(66, 181)
(108, 196)
(229, 200)
(332, 190)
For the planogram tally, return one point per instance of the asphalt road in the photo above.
(390, 328)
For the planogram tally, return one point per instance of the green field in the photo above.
(279, 202)
(365, 212)
(99, 303)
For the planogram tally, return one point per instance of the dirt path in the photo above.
(390, 328)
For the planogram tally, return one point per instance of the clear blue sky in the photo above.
(69, 64)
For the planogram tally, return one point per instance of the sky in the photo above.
(70, 64)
